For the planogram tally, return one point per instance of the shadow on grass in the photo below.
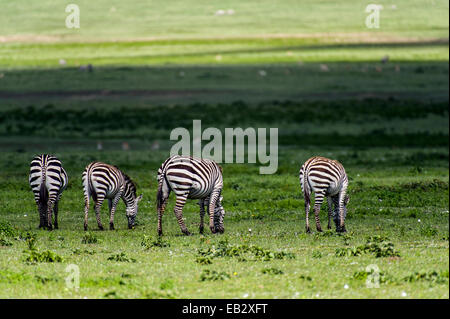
(177, 84)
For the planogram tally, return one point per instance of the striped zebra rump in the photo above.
(48, 180)
(191, 178)
(326, 178)
(103, 181)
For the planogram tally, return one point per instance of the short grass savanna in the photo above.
(376, 100)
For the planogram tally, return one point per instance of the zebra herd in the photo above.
(188, 178)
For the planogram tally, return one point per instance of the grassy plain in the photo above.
(311, 68)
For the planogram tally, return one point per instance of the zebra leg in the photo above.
(318, 199)
(98, 205)
(55, 211)
(160, 214)
(112, 209)
(181, 200)
(42, 213)
(212, 205)
(307, 207)
(336, 210)
(51, 201)
(111, 214)
(201, 203)
(341, 227)
(86, 211)
(330, 211)
(49, 215)
(161, 201)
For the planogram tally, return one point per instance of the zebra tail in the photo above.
(305, 184)
(43, 195)
(159, 195)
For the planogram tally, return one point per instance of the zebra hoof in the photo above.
(341, 229)
(100, 228)
(186, 233)
(160, 233)
(319, 230)
(308, 230)
(111, 227)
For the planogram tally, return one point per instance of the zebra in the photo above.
(102, 181)
(48, 180)
(191, 178)
(325, 177)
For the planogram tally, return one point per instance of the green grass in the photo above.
(398, 189)
(184, 19)
(217, 52)
(188, 32)
(309, 68)
(408, 206)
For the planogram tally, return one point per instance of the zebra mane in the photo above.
(130, 182)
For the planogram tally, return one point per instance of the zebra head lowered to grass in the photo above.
(102, 181)
(48, 180)
(326, 178)
(191, 178)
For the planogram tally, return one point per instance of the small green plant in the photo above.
(433, 277)
(243, 252)
(348, 251)
(202, 260)
(122, 257)
(316, 254)
(33, 255)
(212, 275)
(148, 242)
(272, 271)
(346, 239)
(167, 284)
(44, 280)
(381, 276)
(30, 239)
(379, 246)
(304, 277)
(7, 230)
(89, 238)
(428, 230)
(78, 251)
(47, 256)
(4, 241)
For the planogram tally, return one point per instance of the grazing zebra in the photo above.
(48, 180)
(191, 178)
(102, 181)
(325, 177)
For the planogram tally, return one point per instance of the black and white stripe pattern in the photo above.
(48, 180)
(325, 177)
(191, 178)
(102, 181)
